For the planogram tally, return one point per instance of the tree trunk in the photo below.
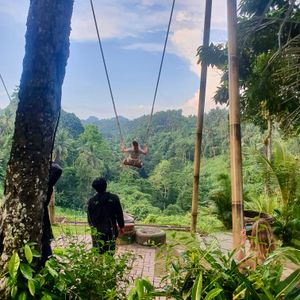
(46, 54)
(235, 128)
(268, 154)
(268, 140)
(200, 118)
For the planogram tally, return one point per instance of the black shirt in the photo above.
(104, 210)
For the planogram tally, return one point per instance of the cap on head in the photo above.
(99, 184)
(135, 143)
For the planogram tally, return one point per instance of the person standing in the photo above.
(262, 243)
(104, 213)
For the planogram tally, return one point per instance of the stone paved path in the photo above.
(143, 266)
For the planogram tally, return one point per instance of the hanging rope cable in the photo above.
(158, 78)
(106, 72)
(159, 73)
(5, 87)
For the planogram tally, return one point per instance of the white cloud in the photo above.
(116, 19)
(121, 19)
(188, 29)
(149, 47)
(190, 106)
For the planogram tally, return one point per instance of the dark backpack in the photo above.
(101, 212)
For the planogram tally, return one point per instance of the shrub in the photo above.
(222, 199)
(173, 210)
(72, 273)
(210, 274)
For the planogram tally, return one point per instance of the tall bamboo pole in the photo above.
(235, 127)
(199, 129)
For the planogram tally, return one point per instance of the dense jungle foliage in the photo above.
(161, 191)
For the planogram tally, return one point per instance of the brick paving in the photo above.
(143, 265)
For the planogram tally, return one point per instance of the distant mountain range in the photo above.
(163, 121)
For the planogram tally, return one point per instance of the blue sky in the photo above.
(133, 33)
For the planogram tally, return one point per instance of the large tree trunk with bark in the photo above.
(46, 54)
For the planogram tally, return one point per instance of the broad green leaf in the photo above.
(60, 286)
(51, 270)
(22, 296)
(35, 253)
(288, 284)
(248, 285)
(197, 288)
(268, 294)
(31, 287)
(132, 295)
(13, 265)
(213, 294)
(28, 254)
(147, 285)
(239, 295)
(42, 281)
(14, 291)
(46, 297)
(26, 270)
(139, 288)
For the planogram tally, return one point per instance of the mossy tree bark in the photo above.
(46, 54)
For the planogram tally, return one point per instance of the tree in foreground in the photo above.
(46, 54)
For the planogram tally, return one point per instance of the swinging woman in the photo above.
(134, 153)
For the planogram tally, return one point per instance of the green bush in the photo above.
(221, 196)
(72, 273)
(173, 210)
(210, 274)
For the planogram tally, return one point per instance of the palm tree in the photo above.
(283, 174)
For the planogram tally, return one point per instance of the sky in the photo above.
(133, 33)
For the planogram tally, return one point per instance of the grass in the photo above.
(207, 221)
(70, 215)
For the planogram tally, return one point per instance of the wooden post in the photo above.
(199, 129)
(235, 128)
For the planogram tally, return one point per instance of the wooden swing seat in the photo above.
(133, 163)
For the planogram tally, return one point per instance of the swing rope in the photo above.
(158, 78)
(5, 87)
(159, 73)
(106, 72)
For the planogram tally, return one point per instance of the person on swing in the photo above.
(134, 153)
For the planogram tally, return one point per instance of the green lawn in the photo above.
(70, 215)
